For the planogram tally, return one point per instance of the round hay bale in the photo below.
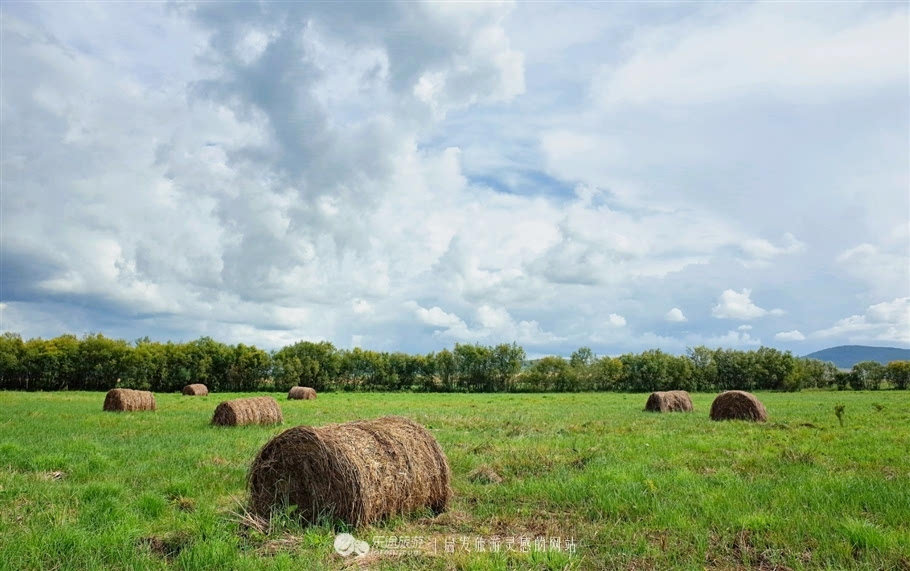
(196, 390)
(128, 400)
(254, 410)
(301, 393)
(669, 401)
(357, 472)
(738, 405)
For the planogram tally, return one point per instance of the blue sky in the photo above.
(404, 176)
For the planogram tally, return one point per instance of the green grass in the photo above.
(636, 490)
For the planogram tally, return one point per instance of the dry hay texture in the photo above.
(128, 400)
(196, 390)
(669, 401)
(301, 393)
(254, 410)
(738, 405)
(357, 472)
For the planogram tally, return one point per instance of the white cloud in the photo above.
(494, 325)
(738, 305)
(304, 171)
(361, 307)
(675, 315)
(760, 252)
(793, 335)
(885, 321)
(744, 328)
(769, 50)
(439, 318)
(885, 267)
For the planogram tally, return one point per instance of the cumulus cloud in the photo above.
(675, 315)
(264, 173)
(793, 335)
(734, 304)
(617, 320)
(885, 321)
(493, 325)
(759, 252)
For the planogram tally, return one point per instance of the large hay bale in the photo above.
(357, 472)
(128, 400)
(738, 405)
(301, 393)
(196, 390)
(669, 401)
(254, 410)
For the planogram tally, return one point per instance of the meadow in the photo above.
(86, 489)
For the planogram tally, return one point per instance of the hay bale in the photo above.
(357, 472)
(301, 393)
(196, 390)
(128, 400)
(669, 401)
(254, 410)
(738, 405)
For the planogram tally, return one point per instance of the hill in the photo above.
(845, 356)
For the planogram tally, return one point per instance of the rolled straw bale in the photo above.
(128, 400)
(357, 472)
(196, 390)
(669, 401)
(253, 410)
(738, 405)
(301, 393)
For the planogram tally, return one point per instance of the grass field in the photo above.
(80, 488)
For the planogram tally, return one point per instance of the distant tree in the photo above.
(306, 363)
(549, 374)
(655, 370)
(474, 364)
(582, 357)
(248, 367)
(704, 368)
(506, 364)
(12, 353)
(898, 374)
(867, 375)
(446, 369)
(606, 374)
(811, 373)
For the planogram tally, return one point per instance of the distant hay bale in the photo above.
(357, 472)
(301, 393)
(254, 410)
(738, 405)
(669, 401)
(128, 400)
(196, 390)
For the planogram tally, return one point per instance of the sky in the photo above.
(407, 176)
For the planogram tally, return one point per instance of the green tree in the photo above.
(12, 353)
(550, 374)
(305, 363)
(606, 374)
(867, 375)
(474, 366)
(898, 374)
(704, 368)
(506, 364)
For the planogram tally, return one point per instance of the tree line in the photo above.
(96, 362)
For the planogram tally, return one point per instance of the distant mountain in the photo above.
(846, 356)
